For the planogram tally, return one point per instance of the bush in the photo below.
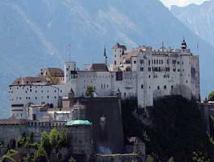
(211, 96)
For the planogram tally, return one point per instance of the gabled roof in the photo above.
(99, 67)
(29, 80)
(53, 72)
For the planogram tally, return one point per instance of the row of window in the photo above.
(158, 87)
(55, 91)
(161, 62)
(160, 69)
(28, 98)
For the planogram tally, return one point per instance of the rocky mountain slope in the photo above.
(34, 34)
(199, 18)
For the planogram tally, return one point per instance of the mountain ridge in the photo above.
(39, 32)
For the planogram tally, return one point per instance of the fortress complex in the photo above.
(142, 72)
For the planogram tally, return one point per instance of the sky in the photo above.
(181, 2)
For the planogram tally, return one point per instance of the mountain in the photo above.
(198, 18)
(34, 34)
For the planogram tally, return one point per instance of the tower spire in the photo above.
(105, 56)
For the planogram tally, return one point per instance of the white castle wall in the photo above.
(22, 95)
(152, 73)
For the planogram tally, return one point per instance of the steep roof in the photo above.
(53, 72)
(99, 67)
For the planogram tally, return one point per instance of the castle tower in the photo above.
(184, 45)
(70, 71)
(105, 56)
(118, 51)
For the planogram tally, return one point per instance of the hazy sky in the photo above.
(181, 2)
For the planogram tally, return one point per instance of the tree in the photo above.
(63, 139)
(90, 91)
(132, 126)
(54, 137)
(171, 159)
(177, 130)
(150, 159)
(40, 155)
(45, 142)
(211, 96)
(31, 138)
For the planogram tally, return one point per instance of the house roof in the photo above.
(78, 122)
(29, 80)
(99, 67)
(53, 72)
(13, 121)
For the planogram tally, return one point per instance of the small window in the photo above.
(141, 69)
(134, 62)
(165, 87)
(158, 87)
(167, 61)
(141, 86)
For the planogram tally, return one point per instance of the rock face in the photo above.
(35, 34)
(198, 18)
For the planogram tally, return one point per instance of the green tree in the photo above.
(54, 137)
(150, 159)
(31, 138)
(63, 139)
(90, 90)
(40, 155)
(211, 96)
(45, 142)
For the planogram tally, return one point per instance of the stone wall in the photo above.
(120, 158)
(105, 115)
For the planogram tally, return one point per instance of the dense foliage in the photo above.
(90, 91)
(176, 131)
(132, 126)
(46, 149)
(211, 96)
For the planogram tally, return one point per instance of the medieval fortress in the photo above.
(142, 72)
